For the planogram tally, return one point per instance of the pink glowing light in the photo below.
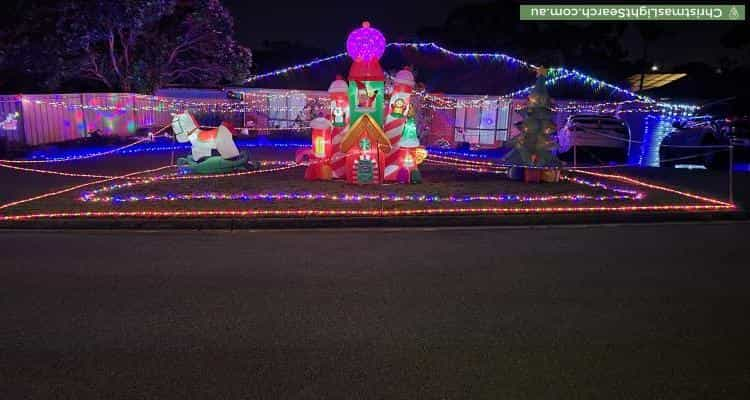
(365, 43)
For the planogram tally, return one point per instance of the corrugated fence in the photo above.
(50, 118)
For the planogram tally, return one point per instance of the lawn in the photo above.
(446, 190)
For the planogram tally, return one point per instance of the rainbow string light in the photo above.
(361, 213)
(349, 197)
(96, 195)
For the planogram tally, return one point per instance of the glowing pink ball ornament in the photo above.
(365, 44)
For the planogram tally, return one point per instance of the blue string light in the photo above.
(73, 154)
(561, 72)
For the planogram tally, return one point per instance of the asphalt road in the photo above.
(601, 312)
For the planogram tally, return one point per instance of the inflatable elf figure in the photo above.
(401, 129)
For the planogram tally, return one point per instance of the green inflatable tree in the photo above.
(535, 145)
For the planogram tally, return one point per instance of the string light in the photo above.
(69, 189)
(92, 155)
(561, 72)
(96, 195)
(349, 198)
(59, 173)
(73, 156)
(362, 213)
(658, 187)
(83, 175)
(465, 55)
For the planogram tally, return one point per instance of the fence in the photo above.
(50, 118)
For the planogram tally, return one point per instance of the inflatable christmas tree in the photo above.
(534, 146)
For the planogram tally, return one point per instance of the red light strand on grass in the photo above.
(71, 188)
(657, 187)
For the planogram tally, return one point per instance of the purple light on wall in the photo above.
(365, 43)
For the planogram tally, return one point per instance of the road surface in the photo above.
(616, 312)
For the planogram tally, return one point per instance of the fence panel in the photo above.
(49, 118)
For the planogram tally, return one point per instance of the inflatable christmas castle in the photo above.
(363, 139)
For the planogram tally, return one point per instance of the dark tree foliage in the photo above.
(126, 45)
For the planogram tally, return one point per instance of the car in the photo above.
(705, 141)
(598, 138)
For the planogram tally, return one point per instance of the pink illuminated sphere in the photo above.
(365, 43)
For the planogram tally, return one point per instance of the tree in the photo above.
(196, 45)
(145, 44)
(534, 145)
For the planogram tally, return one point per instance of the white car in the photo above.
(597, 138)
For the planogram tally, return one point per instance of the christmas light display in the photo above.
(418, 46)
(366, 136)
(653, 186)
(97, 195)
(262, 102)
(340, 118)
(351, 198)
(145, 147)
(76, 187)
(363, 213)
(58, 173)
(77, 157)
(621, 194)
(561, 73)
(10, 123)
(401, 129)
(535, 146)
(319, 168)
(203, 142)
(367, 141)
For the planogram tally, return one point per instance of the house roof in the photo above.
(367, 124)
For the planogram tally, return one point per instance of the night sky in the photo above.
(326, 24)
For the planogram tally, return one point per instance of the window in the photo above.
(485, 126)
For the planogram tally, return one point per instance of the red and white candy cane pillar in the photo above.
(338, 92)
(403, 85)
